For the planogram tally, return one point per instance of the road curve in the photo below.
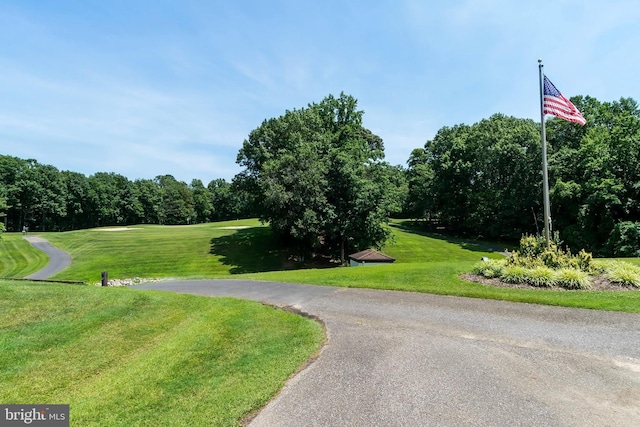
(408, 359)
(58, 259)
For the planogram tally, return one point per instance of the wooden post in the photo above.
(105, 278)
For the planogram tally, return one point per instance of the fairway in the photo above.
(155, 251)
(216, 250)
(247, 249)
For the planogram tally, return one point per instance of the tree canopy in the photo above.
(481, 179)
(595, 175)
(484, 179)
(43, 198)
(318, 178)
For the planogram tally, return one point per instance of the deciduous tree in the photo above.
(319, 178)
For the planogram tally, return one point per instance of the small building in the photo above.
(369, 257)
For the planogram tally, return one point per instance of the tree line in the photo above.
(319, 178)
(485, 179)
(43, 198)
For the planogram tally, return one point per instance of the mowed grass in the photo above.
(122, 357)
(154, 251)
(214, 250)
(18, 258)
(433, 264)
(425, 262)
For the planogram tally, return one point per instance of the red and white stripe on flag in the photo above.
(556, 104)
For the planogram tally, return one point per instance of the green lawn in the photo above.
(18, 258)
(155, 251)
(122, 357)
(425, 262)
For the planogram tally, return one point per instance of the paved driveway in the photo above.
(58, 259)
(407, 359)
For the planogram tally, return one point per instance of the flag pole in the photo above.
(545, 173)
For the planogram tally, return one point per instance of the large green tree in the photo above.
(202, 206)
(482, 178)
(113, 200)
(150, 198)
(176, 201)
(595, 171)
(77, 201)
(318, 178)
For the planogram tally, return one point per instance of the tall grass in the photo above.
(624, 273)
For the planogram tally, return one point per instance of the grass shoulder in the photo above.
(125, 357)
(18, 258)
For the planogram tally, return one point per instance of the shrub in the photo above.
(515, 274)
(571, 278)
(534, 252)
(584, 261)
(542, 277)
(624, 240)
(624, 273)
(490, 268)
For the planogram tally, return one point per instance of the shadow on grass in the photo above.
(250, 250)
(468, 244)
(257, 250)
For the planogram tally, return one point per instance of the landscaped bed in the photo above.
(540, 263)
(598, 283)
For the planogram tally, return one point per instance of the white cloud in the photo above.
(95, 87)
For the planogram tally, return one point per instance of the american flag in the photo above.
(557, 105)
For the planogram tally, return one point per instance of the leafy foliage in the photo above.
(3, 207)
(318, 178)
(541, 265)
(534, 252)
(624, 273)
(571, 278)
(515, 274)
(624, 240)
(542, 277)
(45, 199)
(596, 170)
(482, 179)
(490, 268)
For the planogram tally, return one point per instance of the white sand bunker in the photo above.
(235, 227)
(118, 229)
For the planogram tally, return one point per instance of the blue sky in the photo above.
(146, 88)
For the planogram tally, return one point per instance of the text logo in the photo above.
(34, 415)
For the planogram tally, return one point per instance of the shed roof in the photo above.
(370, 255)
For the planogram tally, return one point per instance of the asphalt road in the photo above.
(407, 359)
(58, 259)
